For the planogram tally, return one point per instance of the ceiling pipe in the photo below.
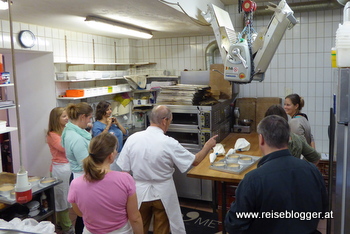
(304, 6)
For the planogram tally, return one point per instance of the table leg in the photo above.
(52, 204)
(223, 184)
(214, 195)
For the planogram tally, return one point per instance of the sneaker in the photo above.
(70, 231)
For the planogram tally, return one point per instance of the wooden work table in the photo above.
(223, 180)
(202, 171)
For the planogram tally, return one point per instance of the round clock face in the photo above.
(26, 38)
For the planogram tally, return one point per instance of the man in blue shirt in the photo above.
(284, 194)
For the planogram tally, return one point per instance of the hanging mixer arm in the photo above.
(247, 55)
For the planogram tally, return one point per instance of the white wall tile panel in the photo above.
(41, 31)
(1, 42)
(49, 44)
(312, 30)
(301, 63)
(5, 26)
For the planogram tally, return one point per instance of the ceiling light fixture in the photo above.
(118, 27)
(3, 5)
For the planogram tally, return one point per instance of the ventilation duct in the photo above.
(209, 54)
(304, 7)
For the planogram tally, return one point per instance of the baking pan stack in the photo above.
(183, 94)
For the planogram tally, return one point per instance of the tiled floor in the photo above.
(207, 206)
(196, 204)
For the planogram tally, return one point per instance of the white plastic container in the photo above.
(100, 90)
(5, 190)
(2, 125)
(94, 91)
(119, 73)
(124, 87)
(342, 40)
(106, 74)
(76, 75)
(140, 101)
(116, 88)
(87, 92)
(61, 76)
(23, 188)
(104, 90)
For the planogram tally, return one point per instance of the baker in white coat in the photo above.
(150, 156)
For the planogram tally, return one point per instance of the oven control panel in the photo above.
(205, 119)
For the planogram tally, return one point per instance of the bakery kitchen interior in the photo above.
(217, 64)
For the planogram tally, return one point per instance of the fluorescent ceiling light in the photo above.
(117, 27)
(4, 5)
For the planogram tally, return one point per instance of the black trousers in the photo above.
(79, 222)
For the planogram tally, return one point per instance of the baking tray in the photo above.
(235, 163)
(47, 181)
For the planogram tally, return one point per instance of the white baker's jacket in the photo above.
(151, 156)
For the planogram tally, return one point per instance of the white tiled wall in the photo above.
(301, 63)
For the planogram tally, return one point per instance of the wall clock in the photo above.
(26, 38)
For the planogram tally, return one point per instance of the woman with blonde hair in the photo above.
(59, 167)
(106, 199)
(75, 140)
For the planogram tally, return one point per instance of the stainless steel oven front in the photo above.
(192, 126)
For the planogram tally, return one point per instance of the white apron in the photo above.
(61, 171)
(77, 174)
(168, 195)
(126, 229)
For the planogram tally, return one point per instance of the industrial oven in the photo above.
(192, 126)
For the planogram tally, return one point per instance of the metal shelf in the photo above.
(144, 90)
(112, 64)
(85, 80)
(8, 129)
(42, 216)
(99, 95)
(162, 77)
(6, 85)
(7, 107)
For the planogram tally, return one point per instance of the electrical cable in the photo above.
(240, 6)
(178, 4)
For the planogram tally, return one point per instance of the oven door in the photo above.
(185, 119)
(189, 140)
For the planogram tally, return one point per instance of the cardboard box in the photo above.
(255, 108)
(247, 107)
(262, 104)
(221, 88)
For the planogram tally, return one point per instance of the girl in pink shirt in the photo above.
(60, 167)
(105, 199)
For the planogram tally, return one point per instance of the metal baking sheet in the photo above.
(47, 181)
(222, 165)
